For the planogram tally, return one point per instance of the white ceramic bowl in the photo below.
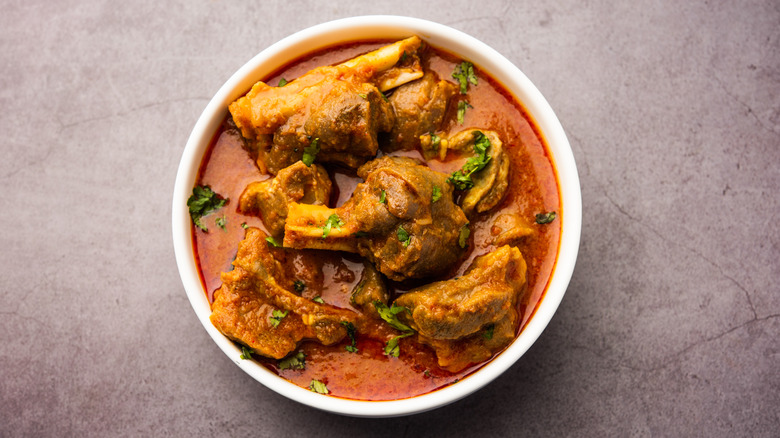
(375, 27)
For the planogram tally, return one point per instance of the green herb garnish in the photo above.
(299, 286)
(364, 96)
(246, 353)
(220, 221)
(283, 82)
(435, 194)
(461, 179)
(334, 221)
(464, 73)
(462, 105)
(202, 202)
(404, 236)
(318, 299)
(310, 152)
(318, 387)
(392, 348)
(545, 218)
(435, 139)
(488, 334)
(389, 314)
(295, 362)
(383, 197)
(244, 225)
(277, 316)
(352, 333)
(272, 242)
(463, 235)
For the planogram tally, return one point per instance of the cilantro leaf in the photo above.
(403, 236)
(299, 286)
(352, 333)
(318, 299)
(392, 348)
(364, 96)
(277, 316)
(246, 353)
(461, 179)
(463, 235)
(296, 361)
(545, 218)
(310, 152)
(389, 315)
(462, 105)
(220, 221)
(435, 139)
(489, 331)
(318, 387)
(272, 242)
(435, 194)
(244, 225)
(334, 221)
(283, 82)
(383, 197)
(202, 202)
(464, 73)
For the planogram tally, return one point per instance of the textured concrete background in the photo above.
(670, 326)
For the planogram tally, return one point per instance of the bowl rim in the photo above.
(372, 27)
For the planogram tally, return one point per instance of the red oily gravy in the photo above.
(369, 374)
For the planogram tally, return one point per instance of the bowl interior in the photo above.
(375, 27)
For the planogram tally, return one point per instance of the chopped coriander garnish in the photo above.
(435, 139)
(464, 73)
(272, 242)
(276, 317)
(296, 361)
(310, 152)
(435, 194)
(389, 314)
(427, 373)
(545, 218)
(462, 105)
(202, 202)
(352, 333)
(403, 57)
(246, 353)
(299, 286)
(364, 96)
(461, 179)
(488, 334)
(283, 82)
(318, 299)
(318, 387)
(220, 221)
(404, 236)
(463, 235)
(383, 197)
(392, 348)
(244, 225)
(334, 221)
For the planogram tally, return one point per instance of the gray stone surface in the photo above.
(670, 326)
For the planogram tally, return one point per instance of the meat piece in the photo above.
(370, 289)
(489, 184)
(509, 229)
(243, 308)
(419, 108)
(340, 108)
(297, 183)
(391, 219)
(453, 316)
